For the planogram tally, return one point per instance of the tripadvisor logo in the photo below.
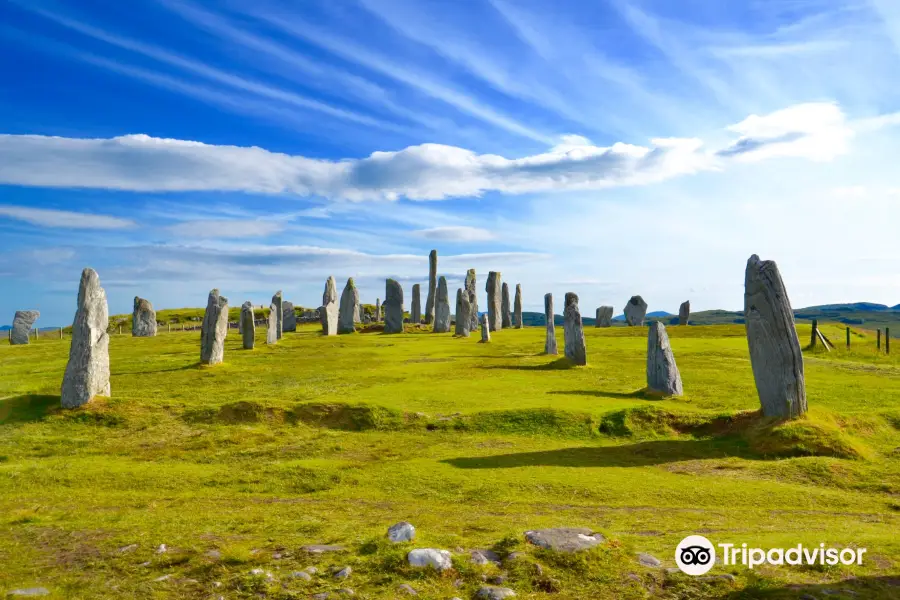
(696, 555)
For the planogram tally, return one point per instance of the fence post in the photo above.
(878, 340)
(848, 337)
(887, 340)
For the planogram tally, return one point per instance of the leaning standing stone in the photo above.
(517, 307)
(349, 312)
(635, 311)
(248, 325)
(550, 343)
(143, 319)
(662, 372)
(214, 329)
(289, 317)
(774, 347)
(21, 327)
(473, 299)
(329, 311)
(272, 325)
(485, 329)
(493, 289)
(415, 310)
(684, 312)
(279, 316)
(462, 313)
(393, 307)
(87, 373)
(504, 307)
(573, 331)
(604, 316)
(442, 308)
(432, 283)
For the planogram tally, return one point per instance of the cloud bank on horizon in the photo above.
(176, 147)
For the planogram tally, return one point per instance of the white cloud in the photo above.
(456, 233)
(63, 219)
(225, 228)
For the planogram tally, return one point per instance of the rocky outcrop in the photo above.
(415, 308)
(432, 288)
(214, 329)
(684, 313)
(329, 310)
(517, 307)
(604, 316)
(278, 301)
(506, 319)
(573, 331)
(348, 315)
(565, 539)
(463, 318)
(473, 299)
(493, 287)
(21, 327)
(248, 326)
(393, 307)
(550, 343)
(143, 319)
(442, 308)
(635, 311)
(289, 317)
(87, 372)
(662, 373)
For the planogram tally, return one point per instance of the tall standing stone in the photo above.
(377, 310)
(573, 331)
(272, 325)
(485, 329)
(248, 325)
(517, 307)
(662, 372)
(349, 311)
(463, 316)
(493, 287)
(289, 317)
(21, 327)
(279, 315)
(87, 373)
(684, 312)
(473, 299)
(143, 319)
(635, 311)
(432, 283)
(415, 309)
(550, 343)
(506, 320)
(604, 316)
(442, 308)
(214, 329)
(393, 307)
(774, 346)
(329, 310)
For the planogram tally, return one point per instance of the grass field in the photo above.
(331, 440)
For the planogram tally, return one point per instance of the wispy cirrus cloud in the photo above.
(225, 228)
(63, 219)
(456, 233)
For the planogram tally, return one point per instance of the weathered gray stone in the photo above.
(278, 301)
(393, 307)
(343, 573)
(21, 327)
(87, 372)
(635, 311)
(485, 329)
(684, 313)
(401, 532)
(774, 347)
(550, 343)
(648, 560)
(493, 288)
(442, 308)
(407, 590)
(573, 331)
(506, 319)
(473, 299)
(432, 285)
(415, 309)
(430, 557)
(490, 592)
(604, 316)
(377, 310)
(483, 557)
(289, 318)
(248, 325)
(463, 316)
(143, 319)
(517, 307)
(564, 539)
(329, 310)
(662, 372)
(26, 592)
(214, 329)
(272, 325)
(322, 549)
(349, 311)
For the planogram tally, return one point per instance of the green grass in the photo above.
(331, 440)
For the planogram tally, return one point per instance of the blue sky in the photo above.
(606, 147)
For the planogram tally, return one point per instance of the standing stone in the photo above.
(87, 373)
(463, 318)
(143, 319)
(289, 317)
(248, 325)
(415, 311)
(492, 287)
(442, 308)
(473, 299)
(573, 331)
(604, 316)
(506, 321)
(279, 316)
(377, 310)
(214, 329)
(393, 307)
(329, 310)
(550, 344)
(272, 328)
(662, 372)
(684, 313)
(635, 311)
(485, 329)
(21, 327)
(517, 307)
(432, 282)
(349, 312)
(774, 347)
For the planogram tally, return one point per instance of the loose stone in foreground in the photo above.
(635, 311)
(485, 329)
(684, 312)
(289, 317)
(504, 307)
(393, 307)
(214, 329)
(463, 318)
(442, 308)
(248, 326)
(143, 319)
(429, 557)
(21, 327)
(272, 325)
(604, 316)
(662, 373)
(490, 592)
(574, 331)
(348, 315)
(401, 532)
(550, 343)
(493, 288)
(87, 372)
(329, 311)
(415, 309)
(564, 539)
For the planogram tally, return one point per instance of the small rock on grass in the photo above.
(565, 539)
(213, 555)
(401, 532)
(35, 591)
(322, 548)
(648, 560)
(343, 573)
(429, 557)
(301, 575)
(483, 557)
(494, 593)
(128, 548)
(407, 589)
(162, 549)
(311, 570)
